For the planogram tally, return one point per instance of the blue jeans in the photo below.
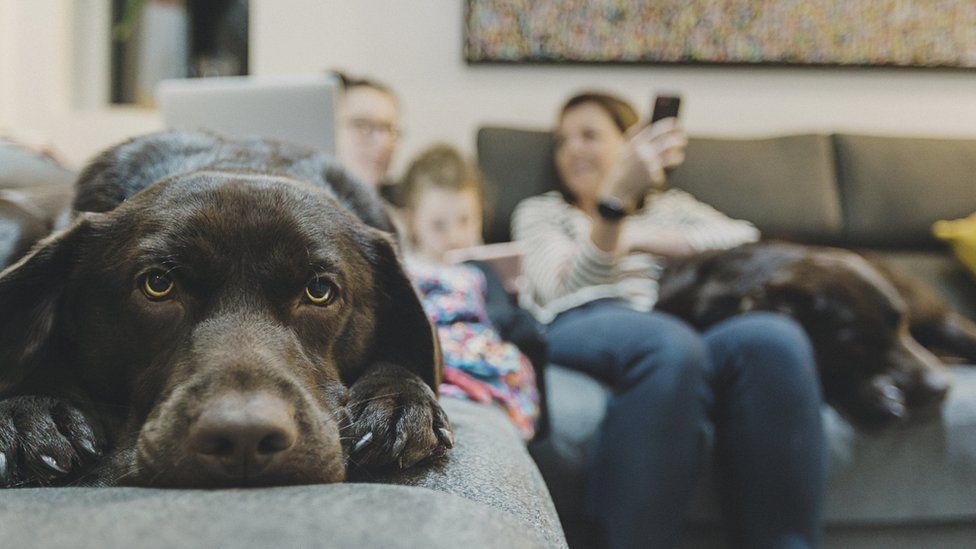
(753, 376)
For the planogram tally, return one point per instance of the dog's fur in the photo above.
(101, 384)
(865, 322)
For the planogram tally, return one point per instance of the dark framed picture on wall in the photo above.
(862, 33)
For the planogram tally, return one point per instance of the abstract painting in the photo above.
(901, 33)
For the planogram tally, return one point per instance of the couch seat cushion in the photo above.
(488, 494)
(919, 472)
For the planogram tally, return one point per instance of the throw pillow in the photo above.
(960, 234)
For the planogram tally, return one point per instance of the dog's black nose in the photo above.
(243, 435)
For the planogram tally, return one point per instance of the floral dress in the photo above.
(478, 364)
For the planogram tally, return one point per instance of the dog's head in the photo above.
(872, 368)
(225, 314)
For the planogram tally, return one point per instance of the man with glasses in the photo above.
(368, 133)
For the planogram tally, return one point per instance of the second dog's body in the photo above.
(860, 320)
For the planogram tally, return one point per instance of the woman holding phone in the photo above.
(594, 250)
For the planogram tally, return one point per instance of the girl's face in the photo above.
(587, 145)
(445, 220)
(367, 134)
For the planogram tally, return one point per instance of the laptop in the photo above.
(298, 109)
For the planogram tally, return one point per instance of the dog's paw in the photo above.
(397, 423)
(43, 441)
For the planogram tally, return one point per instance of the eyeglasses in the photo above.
(364, 127)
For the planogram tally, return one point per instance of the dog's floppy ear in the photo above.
(404, 335)
(30, 295)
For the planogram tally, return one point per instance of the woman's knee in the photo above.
(767, 341)
(671, 350)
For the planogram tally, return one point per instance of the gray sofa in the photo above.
(910, 486)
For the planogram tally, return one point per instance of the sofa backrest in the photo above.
(784, 185)
(894, 188)
(516, 164)
(853, 190)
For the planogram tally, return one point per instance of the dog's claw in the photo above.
(398, 445)
(50, 463)
(363, 442)
(89, 448)
(3, 469)
(446, 437)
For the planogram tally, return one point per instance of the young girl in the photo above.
(442, 198)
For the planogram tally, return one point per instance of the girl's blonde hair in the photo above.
(439, 167)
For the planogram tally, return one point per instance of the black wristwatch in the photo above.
(611, 209)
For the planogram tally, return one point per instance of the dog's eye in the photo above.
(157, 285)
(320, 291)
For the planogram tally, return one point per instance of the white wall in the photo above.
(35, 61)
(46, 48)
(416, 47)
(6, 60)
(54, 78)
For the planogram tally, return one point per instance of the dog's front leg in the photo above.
(394, 420)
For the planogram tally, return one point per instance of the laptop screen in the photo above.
(298, 109)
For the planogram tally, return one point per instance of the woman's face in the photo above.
(587, 145)
(445, 220)
(368, 133)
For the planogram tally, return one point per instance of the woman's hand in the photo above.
(640, 167)
(669, 243)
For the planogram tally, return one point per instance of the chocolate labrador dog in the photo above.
(220, 313)
(865, 323)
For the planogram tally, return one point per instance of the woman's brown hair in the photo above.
(621, 112)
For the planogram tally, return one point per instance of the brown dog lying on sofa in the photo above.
(223, 314)
(865, 323)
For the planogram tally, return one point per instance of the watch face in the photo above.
(611, 209)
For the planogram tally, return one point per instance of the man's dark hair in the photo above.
(348, 82)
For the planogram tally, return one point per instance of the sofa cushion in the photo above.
(488, 494)
(922, 472)
(340, 515)
(893, 189)
(917, 473)
(516, 164)
(22, 167)
(489, 465)
(784, 185)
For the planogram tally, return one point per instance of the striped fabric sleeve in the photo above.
(555, 263)
(709, 229)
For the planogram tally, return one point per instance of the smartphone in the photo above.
(665, 106)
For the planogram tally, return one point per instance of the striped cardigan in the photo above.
(563, 268)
